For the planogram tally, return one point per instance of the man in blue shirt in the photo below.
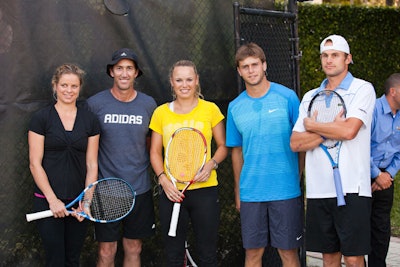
(385, 163)
(266, 171)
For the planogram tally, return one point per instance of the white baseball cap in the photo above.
(338, 43)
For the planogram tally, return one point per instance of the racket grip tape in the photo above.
(174, 219)
(338, 186)
(39, 215)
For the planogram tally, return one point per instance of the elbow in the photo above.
(295, 146)
(33, 167)
(92, 166)
(349, 134)
(223, 151)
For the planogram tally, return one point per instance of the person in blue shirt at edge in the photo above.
(266, 171)
(385, 163)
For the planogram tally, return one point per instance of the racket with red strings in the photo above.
(185, 156)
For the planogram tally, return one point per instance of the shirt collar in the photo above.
(344, 84)
(385, 105)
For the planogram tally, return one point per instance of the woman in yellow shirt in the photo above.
(201, 204)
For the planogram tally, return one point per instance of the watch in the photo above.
(215, 164)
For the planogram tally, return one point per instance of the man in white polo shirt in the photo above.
(330, 229)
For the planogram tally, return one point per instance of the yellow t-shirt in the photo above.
(203, 117)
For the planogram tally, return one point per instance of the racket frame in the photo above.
(48, 213)
(177, 206)
(338, 144)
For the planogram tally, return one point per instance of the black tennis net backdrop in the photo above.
(36, 36)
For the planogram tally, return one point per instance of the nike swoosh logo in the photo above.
(299, 237)
(272, 110)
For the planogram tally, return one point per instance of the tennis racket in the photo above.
(329, 104)
(111, 199)
(117, 7)
(188, 261)
(185, 156)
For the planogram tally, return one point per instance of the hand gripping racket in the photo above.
(329, 104)
(185, 156)
(111, 199)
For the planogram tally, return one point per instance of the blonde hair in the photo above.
(67, 69)
(185, 63)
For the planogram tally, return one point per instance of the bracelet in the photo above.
(161, 173)
(215, 164)
(158, 177)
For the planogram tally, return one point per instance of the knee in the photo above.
(254, 256)
(289, 257)
(107, 251)
(354, 261)
(132, 246)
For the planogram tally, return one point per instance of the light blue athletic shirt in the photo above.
(262, 127)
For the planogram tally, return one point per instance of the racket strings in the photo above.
(111, 200)
(185, 155)
(327, 108)
(328, 105)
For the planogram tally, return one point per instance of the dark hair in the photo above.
(392, 81)
(185, 63)
(67, 69)
(249, 50)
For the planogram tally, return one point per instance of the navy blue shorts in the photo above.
(344, 229)
(275, 223)
(139, 224)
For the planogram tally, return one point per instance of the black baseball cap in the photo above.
(123, 53)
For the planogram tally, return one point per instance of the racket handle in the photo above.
(174, 219)
(338, 186)
(39, 215)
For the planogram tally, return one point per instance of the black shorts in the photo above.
(344, 229)
(139, 224)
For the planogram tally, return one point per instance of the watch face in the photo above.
(215, 164)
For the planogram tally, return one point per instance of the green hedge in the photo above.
(373, 34)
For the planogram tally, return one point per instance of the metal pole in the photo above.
(236, 17)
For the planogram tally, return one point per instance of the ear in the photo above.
(265, 66)
(238, 70)
(349, 59)
(392, 91)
